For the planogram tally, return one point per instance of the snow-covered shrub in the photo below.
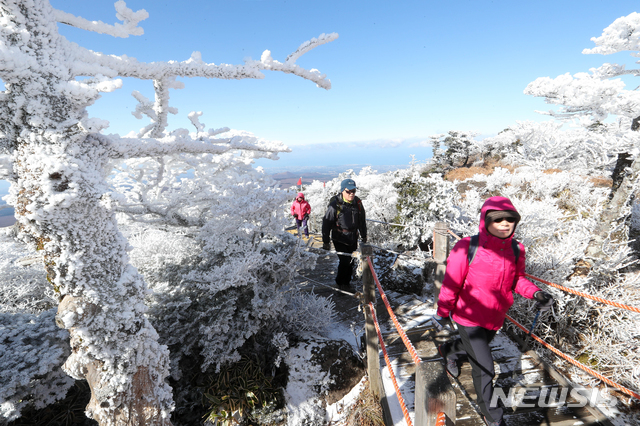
(32, 350)
(423, 201)
(32, 347)
(221, 273)
(459, 148)
(547, 146)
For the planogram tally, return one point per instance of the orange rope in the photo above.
(401, 332)
(576, 363)
(579, 293)
(441, 419)
(405, 411)
(451, 232)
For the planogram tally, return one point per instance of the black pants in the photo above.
(345, 264)
(474, 344)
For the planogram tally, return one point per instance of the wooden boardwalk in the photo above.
(514, 369)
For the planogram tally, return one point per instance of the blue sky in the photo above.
(400, 70)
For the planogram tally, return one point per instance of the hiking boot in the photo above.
(452, 367)
(500, 423)
(343, 285)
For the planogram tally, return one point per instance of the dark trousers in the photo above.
(303, 223)
(345, 264)
(474, 344)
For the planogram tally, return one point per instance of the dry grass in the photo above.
(463, 173)
(601, 182)
(597, 181)
(551, 171)
(366, 410)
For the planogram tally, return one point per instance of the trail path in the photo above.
(514, 370)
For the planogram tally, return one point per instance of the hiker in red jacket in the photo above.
(476, 293)
(300, 209)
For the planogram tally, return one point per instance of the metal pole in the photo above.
(440, 254)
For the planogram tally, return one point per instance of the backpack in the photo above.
(473, 249)
(339, 204)
(475, 242)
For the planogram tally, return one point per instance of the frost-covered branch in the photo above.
(586, 94)
(622, 35)
(180, 142)
(124, 66)
(129, 18)
(595, 95)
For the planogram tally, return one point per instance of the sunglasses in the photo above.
(350, 191)
(508, 219)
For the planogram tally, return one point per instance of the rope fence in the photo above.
(574, 362)
(585, 295)
(403, 405)
(387, 223)
(441, 419)
(403, 335)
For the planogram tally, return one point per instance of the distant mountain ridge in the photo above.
(288, 179)
(288, 176)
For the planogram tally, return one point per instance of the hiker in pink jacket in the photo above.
(300, 209)
(477, 294)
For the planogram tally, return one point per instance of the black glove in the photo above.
(295, 216)
(442, 323)
(545, 300)
(326, 246)
(306, 216)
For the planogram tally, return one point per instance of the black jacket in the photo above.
(342, 221)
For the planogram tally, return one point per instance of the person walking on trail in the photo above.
(343, 222)
(300, 209)
(477, 292)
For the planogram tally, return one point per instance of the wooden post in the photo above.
(434, 394)
(373, 347)
(440, 254)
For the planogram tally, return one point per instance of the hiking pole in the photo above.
(527, 341)
(528, 338)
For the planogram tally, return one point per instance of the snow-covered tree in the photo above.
(547, 146)
(453, 149)
(59, 161)
(591, 98)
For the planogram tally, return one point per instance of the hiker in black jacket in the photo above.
(342, 223)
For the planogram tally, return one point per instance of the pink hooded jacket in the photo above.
(300, 208)
(480, 294)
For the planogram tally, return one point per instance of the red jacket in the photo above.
(480, 294)
(300, 208)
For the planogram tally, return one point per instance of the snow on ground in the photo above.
(420, 313)
(305, 378)
(337, 413)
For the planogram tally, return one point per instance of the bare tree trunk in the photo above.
(625, 178)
